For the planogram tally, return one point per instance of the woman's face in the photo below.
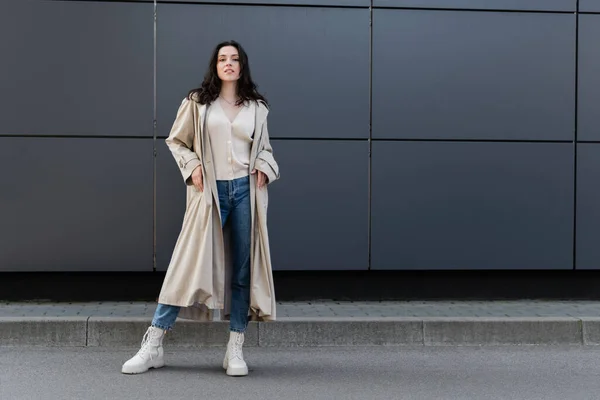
(228, 64)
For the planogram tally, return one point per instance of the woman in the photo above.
(221, 259)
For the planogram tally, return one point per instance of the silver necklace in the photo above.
(228, 102)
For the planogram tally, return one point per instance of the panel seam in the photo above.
(477, 10)
(575, 129)
(370, 162)
(154, 136)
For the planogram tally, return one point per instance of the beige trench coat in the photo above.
(198, 277)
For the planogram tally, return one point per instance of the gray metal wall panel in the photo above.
(589, 6)
(77, 69)
(170, 204)
(529, 5)
(444, 205)
(452, 74)
(311, 63)
(318, 211)
(76, 204)
(588, 206)
(588, 124)
(322, 194)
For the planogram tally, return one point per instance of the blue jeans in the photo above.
(234, 200)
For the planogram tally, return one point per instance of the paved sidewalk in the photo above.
(329, 309)
(318, 323)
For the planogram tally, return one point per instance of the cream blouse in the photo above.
(231, 142)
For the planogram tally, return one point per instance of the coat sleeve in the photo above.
(181, 141)
(265, 162)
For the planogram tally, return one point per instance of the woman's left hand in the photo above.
(262, 178)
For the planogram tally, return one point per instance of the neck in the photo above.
(228, 91)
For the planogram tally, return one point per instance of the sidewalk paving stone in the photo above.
(324, 309)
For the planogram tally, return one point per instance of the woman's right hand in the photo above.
(197, 178)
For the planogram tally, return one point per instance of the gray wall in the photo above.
(411, 134)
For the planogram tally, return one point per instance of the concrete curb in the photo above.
(591, 330)
(43, 331)
(299, 332)
(503, 331)
(125, 331)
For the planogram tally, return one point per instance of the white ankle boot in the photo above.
(150, 355)
(234, 358)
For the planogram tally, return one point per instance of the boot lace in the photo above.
(236, 349)
(145, 345)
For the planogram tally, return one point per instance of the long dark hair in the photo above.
(211, 86)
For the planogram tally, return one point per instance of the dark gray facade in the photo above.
(411, 134)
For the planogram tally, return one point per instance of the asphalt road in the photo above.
(565, 373)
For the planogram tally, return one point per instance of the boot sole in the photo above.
(234, 371)
(237, 371)
(136, 372)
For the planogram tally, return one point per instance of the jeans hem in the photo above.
(237, 330)
(164, 328)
